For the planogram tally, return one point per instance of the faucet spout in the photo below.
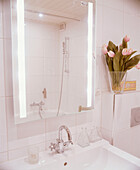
(68, 133)
(60, 145)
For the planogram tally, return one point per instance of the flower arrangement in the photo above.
(119, 60)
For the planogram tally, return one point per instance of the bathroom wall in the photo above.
(115, 19)
(125, 136)
(15, 139)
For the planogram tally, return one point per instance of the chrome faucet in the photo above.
(60, 145)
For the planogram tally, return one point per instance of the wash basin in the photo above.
(98, 156)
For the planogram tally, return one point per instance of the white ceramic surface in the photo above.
(98, 156)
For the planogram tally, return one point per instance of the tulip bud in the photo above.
(104, 49)
(130, 51)
(126, 38)
(111, 54)
(125, 51)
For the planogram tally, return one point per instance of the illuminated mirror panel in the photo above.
(53, 58)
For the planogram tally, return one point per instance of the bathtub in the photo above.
(98, 156)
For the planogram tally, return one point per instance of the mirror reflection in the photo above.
(53, 44)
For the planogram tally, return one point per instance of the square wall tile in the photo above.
(23, 152)
(3, 126)
(123, 111)
(3, 157)
(24, 142)
(114, 4)
(2, 83)
(96, 112)
(107, 111)
(135, 141)
(132, 7)
(34, 47)
(99, 32)
(106, 134)
(8, 67)
(132, 22)
(1, 20)
(112, 25)
(68, 120)
(98, 68)
(123, 140)
(30, 129)
(12, 128)
(34, 66)
(7, 19)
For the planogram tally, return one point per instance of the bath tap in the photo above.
(60, 145)
(40, 104)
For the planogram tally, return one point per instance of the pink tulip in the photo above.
(130, 51)
(126, 38)
(104, 49)
(125, 51)
(111, 54)
(138, 66)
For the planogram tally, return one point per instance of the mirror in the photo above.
(53, 44)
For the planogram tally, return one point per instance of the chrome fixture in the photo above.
(40, 104)
(60, 145)
(66, 54)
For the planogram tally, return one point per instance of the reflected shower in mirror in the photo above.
(53, 64)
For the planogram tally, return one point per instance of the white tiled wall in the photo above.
(125, 136)
(115, 19)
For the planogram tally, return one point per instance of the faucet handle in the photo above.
(71, 142)
(59, 141)
(67, 143)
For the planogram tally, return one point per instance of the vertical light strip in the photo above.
(21, 58)
(90, 51)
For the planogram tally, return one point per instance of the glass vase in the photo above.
(117, 81)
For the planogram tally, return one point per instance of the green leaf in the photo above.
(116, 61)
(129, 56)
(132, 62)
(124, 44)
(123, 68)
(112, 47)
(121, 48)
(121, 62)
(110, 64)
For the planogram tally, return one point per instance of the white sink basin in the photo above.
(99, 156)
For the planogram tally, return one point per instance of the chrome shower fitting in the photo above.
(40, 104)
